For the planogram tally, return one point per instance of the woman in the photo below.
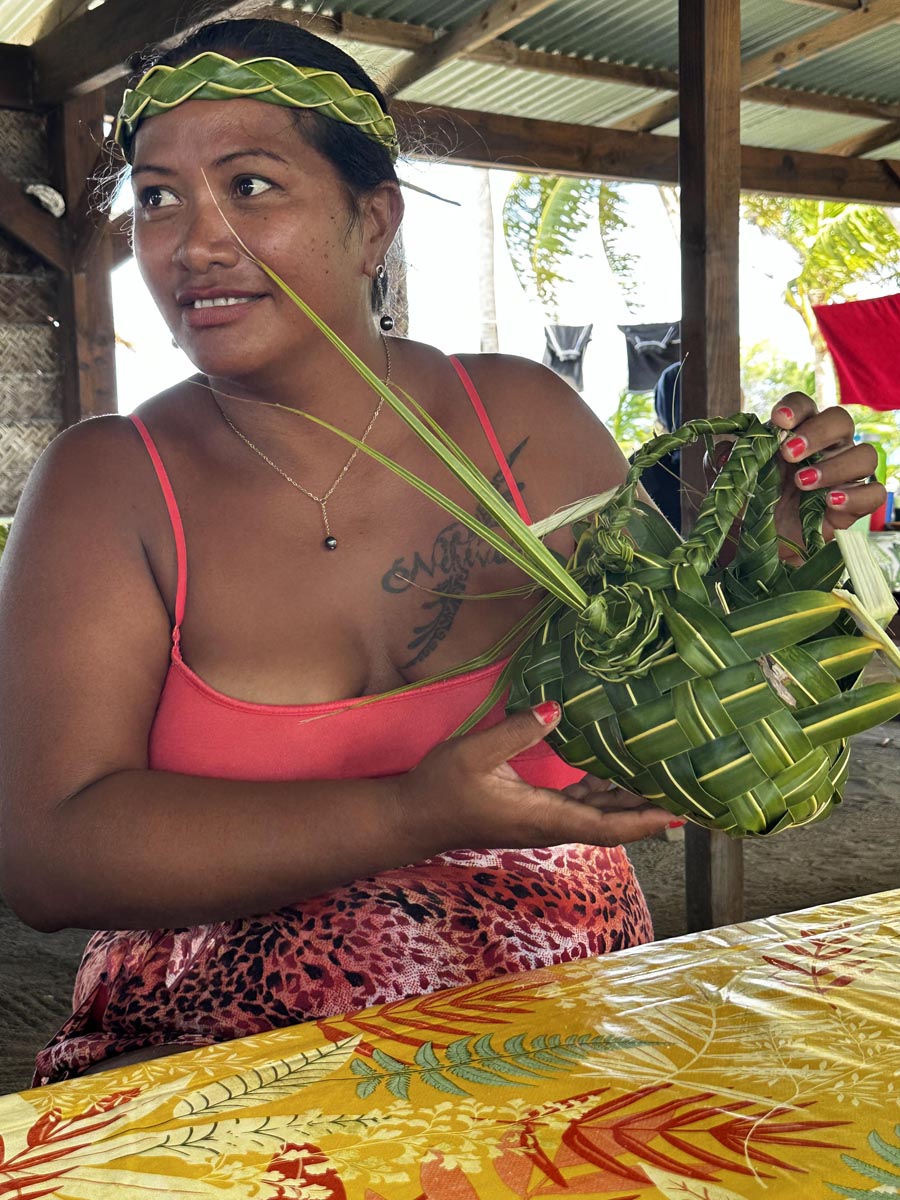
(189, 597)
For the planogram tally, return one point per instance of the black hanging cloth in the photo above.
(565, 349)
(650, 348)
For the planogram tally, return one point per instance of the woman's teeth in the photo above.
(221, 301)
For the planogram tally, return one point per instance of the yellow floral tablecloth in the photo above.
(755, 1061)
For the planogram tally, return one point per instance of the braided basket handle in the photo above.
(750, 479)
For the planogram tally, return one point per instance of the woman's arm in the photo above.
(90, 837)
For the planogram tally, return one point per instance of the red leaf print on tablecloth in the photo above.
(684, 1135)
(814, 963)
(303, 1162)
(51, 1139)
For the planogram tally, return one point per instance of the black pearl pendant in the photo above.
(330, 543)
(387, 322)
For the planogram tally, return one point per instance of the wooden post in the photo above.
(86, 316)
(710, 172)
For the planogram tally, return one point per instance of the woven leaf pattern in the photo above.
(211, 76)
(723, 696)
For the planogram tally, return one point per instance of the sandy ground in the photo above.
(854, 852)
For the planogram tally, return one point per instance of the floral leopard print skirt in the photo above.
(455, 919)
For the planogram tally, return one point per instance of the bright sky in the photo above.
(442, 248)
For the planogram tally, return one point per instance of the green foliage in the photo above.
(838, 246)
(883, 427)
(634, 420)
(475, 1060)
(889, 1180)
(766, 376)
(544, 216)
(4, 533)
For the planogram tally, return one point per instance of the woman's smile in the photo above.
(224, 309)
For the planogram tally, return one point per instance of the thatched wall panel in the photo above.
(30, 343)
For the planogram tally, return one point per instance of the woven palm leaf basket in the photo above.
(724, 695)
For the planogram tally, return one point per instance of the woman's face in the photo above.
(245, 161)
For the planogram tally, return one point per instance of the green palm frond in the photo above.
(838, 244)
(477, 1061)
(543, 217)
(889, 1180)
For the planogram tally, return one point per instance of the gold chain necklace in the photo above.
(330, 542)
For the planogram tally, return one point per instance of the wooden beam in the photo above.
(864, 143)
(400, 36)
(802, 49)
(651, 116)
(484, 27)
(777, 59)
(89, 223)
(94, 49)
(89, 375)
(16, 77)
(710, 174)
(556, 148)
(553, 147)
(851, 106)
(24, 218)
(121, 247)
(846, 5)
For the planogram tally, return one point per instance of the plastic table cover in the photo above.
(757, 1060)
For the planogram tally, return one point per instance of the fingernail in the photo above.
(837, 498)
(796, 446)
(676, 824)
(788, 413)
(807, 477)
(547, 713)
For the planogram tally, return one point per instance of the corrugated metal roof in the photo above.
(20, 16)
(768, 23)
(868, 67)
(891, 151)
(779, 128)
(646, 33)
(642, 33)
(519, 93)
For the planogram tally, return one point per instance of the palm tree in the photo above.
(544, 216)
(490, 342)
(838, 246)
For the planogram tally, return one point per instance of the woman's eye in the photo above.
(251, 185)
(156, 197)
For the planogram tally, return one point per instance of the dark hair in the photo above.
(361, 162)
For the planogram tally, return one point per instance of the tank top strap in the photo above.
(493, 440)
(177, 526)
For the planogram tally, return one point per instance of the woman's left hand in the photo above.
(844, 468)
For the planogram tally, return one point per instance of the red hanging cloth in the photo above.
(864, 339)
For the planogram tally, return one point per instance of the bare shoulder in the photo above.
(83, 465)
(525, 398)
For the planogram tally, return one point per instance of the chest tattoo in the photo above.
(446, 568)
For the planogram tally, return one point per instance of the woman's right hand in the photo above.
(466, 793)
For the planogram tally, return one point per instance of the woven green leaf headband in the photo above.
(211, 76)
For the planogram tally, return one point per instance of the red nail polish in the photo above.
(547, 713)
(676, 824)
(837, 498)
(808, 477)
(796, 446)
(785, 412)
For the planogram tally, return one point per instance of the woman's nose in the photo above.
(206, 241)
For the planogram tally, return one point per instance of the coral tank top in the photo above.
(199, 731)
